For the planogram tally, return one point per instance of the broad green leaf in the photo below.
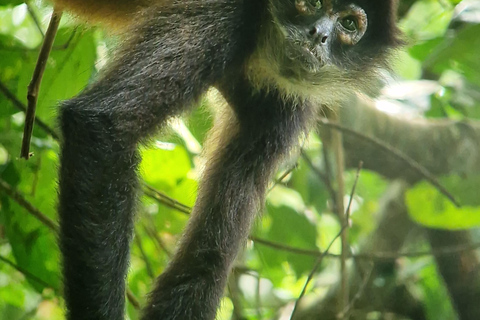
(168, 170)
(427, 206)
(12, 294)
(426, 20)
(423, 49)
(67, 72)
(33, 244)
(459, 53)
(286, 223)
(434, 295)
(311, 188)
(10, 2)
(200, 121)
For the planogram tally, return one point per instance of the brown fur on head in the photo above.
(306, 50)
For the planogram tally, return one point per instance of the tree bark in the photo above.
(381, 291)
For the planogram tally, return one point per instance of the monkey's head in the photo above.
(311, 45)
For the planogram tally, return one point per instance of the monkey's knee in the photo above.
(84, 124)
(79, 123)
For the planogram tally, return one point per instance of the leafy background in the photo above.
(416, 252)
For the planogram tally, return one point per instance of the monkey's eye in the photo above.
(308, 7)
(315, 4)
(352, 25)
(349, 23)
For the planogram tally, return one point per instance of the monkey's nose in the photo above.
(320, 31)
(317, 35)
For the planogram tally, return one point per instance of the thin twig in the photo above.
(357, 296)
(133, 300)
(34, 18)
(149, 191)
(67, 43)
(337, 143)
(234, 293)
(20, 106)
(152, 233)
(377, 256)
(18, 198)
(398, 154)
(282, 177)
(328, 180)
(287, 248)
(34, 86)
(314, 270)
(59, 47)
(16, 49)
(166, 200)
(352, 193)
(258, 298)
(324, 177)
(148, 267)
(27, 273)
(345, 295)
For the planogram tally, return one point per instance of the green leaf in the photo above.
(459, 53)
(426, 20)
(286, 223)
(33, 244)
(168, 170)
(67, 72)
(427, 206)
(435, 297)
(12, 294)
(11, 2)
(165, 167)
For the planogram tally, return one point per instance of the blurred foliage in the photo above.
(443, 47)
(430, 208)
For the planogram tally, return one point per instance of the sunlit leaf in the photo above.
(427, 206)
(287, 224)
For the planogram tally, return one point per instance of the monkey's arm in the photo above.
(177, 53)
(115, 13)
(248, 150)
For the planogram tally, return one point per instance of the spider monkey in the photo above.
(274, 62)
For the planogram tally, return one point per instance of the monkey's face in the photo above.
(313, 30)
(327, 42)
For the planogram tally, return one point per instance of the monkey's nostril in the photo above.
(318, 35)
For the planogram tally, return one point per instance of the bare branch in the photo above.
(20, 199)
(34, 85)
(166, 200)
(398, 154)
(378, 256)
(27, 273)
(315, 268)
(35, 19)
(19, 105)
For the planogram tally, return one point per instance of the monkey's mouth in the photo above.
(306, 57)
(317, 53)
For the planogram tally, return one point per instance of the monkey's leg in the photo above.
(232, 191)
(178, 53)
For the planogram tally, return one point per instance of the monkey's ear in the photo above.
(382, 20)
(397, 39)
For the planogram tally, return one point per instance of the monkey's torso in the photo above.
(273, 61)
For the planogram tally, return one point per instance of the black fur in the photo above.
(182, 48)
(158, 76)
(230, 195)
